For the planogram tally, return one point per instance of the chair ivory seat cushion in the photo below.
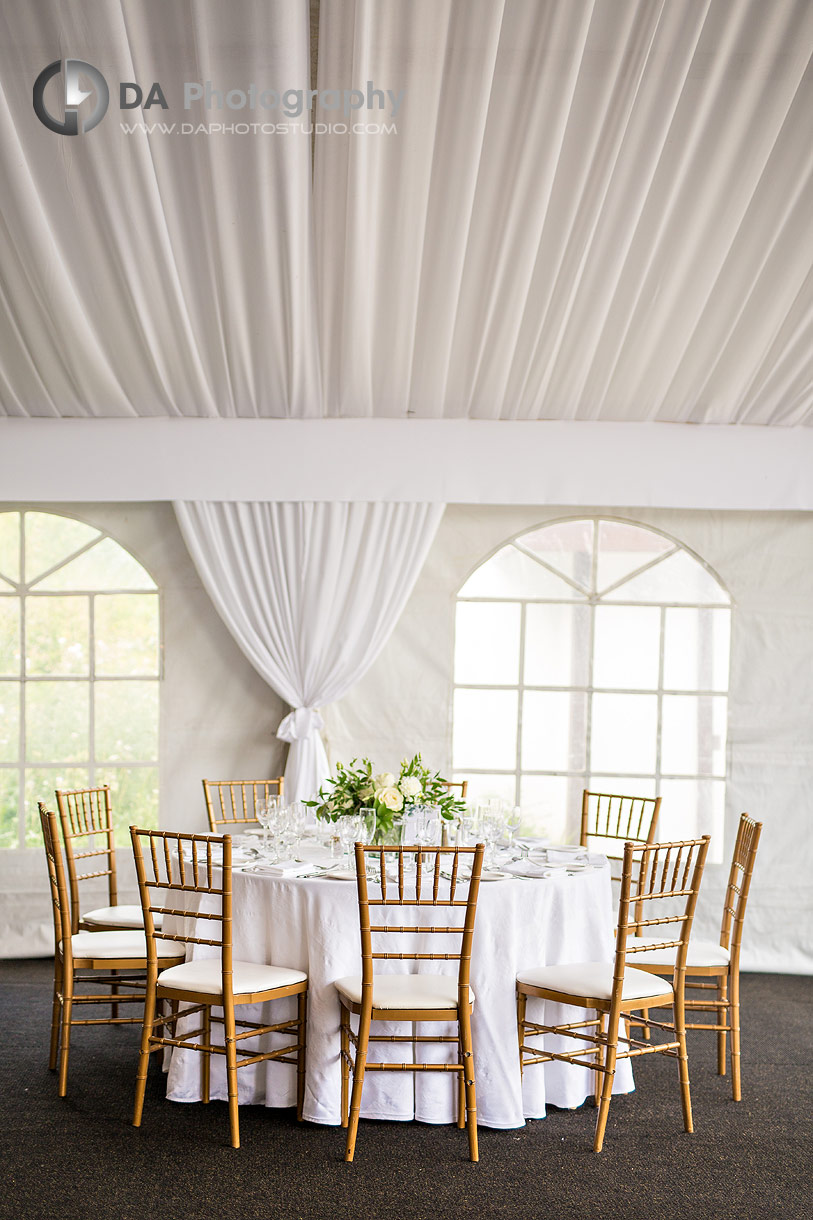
(701, 953)
(204, 975)
(124, 916)
(404, 990)
(594, 980)
(130, 944)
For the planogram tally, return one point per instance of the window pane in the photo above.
(487, 642)
(126, 721)
(57, 635)
(40, 783)
(622, 549)
(627, 647)
(624, 733)
(10, 636)
(553, 731)
(485, 729)
(10, 546)
(134, 797)
(557, 645)
(126, 632)
(509, 573)
(49, 539)
(680, 578)
(693, 735)
(691, 808)
(548, 806)
(566, 546)
(9, 833)
(57, 722)
(10, 721)
(105, 566)
(696, 649)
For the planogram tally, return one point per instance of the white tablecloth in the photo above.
(312, 924)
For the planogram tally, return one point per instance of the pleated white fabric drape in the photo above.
(311, 593)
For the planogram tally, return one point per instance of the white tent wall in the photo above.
(217, 715)
(403, 703)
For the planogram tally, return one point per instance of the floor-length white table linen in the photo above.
(312, 924)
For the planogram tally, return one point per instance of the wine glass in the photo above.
(264, 811)
(513, 821)
(350, 827)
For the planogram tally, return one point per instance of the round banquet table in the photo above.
(311, 923)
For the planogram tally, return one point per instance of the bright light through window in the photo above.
(594, 653)
(79, 669)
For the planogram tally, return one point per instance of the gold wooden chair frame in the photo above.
(721, 962)
(411, 997)
(660, 876)
(88, 834)
(457, 785)
(76, 953)
(232, 802)
(170, 867)
(616, 820)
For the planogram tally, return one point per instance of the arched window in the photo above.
(594, 653)
(79, 670)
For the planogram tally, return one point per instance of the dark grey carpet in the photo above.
(80, 1159)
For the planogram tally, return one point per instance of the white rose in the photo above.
(385, 780)
(390, 798)
(410, 786)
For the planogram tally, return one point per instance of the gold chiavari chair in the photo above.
(610, 821)
(233, 803)
(86, 958)
(170, 868)
(721, 962)
(659, 887)
(86, 819)
(415, 997)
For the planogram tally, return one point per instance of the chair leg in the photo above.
(734, 1021)
(599, 1076)
(344, 1023)
(464, 1018)
(144, 1055)
(358, 1083)
(522, 1002)
(679, 1011)
(67, 1008)
(461, 1086)
(114, 987)
(55, 1018)
(206, 1058)
(607, 1085)
(229, 1033)
(301, 1013)
(722, 1011)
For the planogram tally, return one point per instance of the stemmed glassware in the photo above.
(513, 821)
(492, 825)
(266, 811)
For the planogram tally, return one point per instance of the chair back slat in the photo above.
(234, 802)
(739, 883)
(86, 821)
(443, 886)
(169, 863)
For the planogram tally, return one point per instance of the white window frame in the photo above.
(92, 765)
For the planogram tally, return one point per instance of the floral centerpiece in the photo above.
(392, 797)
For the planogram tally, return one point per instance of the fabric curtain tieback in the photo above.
(301, 723)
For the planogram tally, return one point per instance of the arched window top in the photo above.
(596, 559)
(49, 552)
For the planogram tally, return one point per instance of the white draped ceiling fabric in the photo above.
(311, 593)
(591, 210)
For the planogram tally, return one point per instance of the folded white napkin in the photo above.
(528, 868)
(286, 868)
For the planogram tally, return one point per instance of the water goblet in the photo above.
(513, 821)
(265, 815)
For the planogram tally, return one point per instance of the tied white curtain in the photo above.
(311, 593)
